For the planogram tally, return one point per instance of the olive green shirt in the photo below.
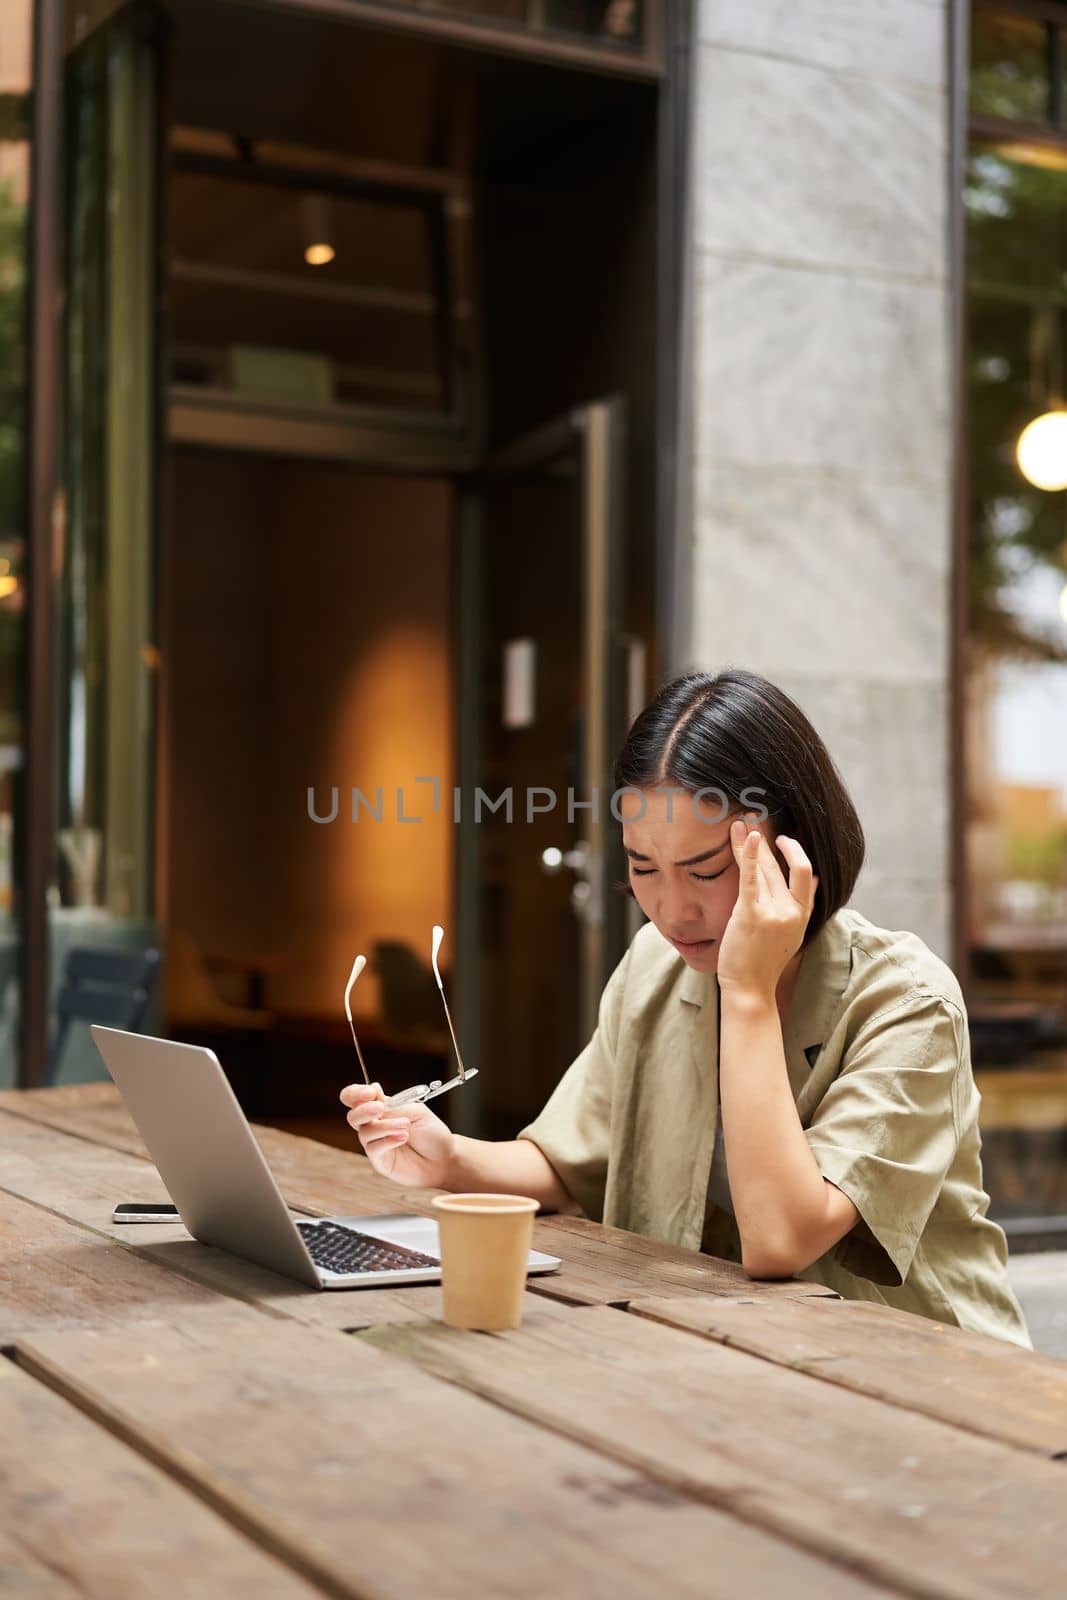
(878, 1057)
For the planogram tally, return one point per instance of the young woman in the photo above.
(773, 1079)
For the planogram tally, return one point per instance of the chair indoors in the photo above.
(113, 987)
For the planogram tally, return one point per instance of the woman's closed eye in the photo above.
(701, 877)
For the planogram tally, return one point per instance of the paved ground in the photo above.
(1040, 1281)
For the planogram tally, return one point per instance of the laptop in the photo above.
(226, 1194)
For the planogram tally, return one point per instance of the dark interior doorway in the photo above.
(496, 226)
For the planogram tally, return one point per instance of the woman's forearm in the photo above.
(775, 1183)
(514, 1166)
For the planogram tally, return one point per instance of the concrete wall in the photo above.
(821, 521)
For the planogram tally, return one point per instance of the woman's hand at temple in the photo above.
(406, 1143)
(766, 926)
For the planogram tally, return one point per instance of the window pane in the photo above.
(15, 55)
(1015, 234)
(1016, 664)
(102, 895)
(1009, 67)
(361, 328)
(604, 22)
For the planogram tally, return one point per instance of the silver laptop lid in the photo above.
(207, 1155)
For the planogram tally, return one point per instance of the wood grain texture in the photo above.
(85, 1515)
(92, 1111)
(377, 1479)
(81, 1182)
(54, 1274)
(601, 1266)
(982, 1385)
(910, 1502)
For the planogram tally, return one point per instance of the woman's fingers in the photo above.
(772, 883)
(750, 846)
(355, 1094)
(802, 878)
(372, 1116)
(746, 851)
(387, 1128)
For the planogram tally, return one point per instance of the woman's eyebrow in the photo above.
(690, 861)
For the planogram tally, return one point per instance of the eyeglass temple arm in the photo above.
(357, 967)
(438, 935)
(359, 1053)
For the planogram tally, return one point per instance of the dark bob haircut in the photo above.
(738, 734)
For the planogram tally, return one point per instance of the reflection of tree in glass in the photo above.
(1017, 274)
(12, 437)
(1009, 68)
(12, 398)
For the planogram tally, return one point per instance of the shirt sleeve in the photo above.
(887, 1130)
(574, 1129)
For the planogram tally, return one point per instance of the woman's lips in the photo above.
(686, 946)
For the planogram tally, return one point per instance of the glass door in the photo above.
(16, 35)
(541, 709)
(106, 654)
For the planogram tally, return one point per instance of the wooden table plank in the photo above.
(92, 1111)
(54, 1274)
(602, 1266)
(81, 1182)
(982, 1385)
(86, 1516)
(912, 1502)
(23, 1577)
(378, 1479)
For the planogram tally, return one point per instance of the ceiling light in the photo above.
(318, 231)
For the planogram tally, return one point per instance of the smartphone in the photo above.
(139, 1211)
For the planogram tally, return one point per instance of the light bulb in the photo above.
(318, 231)
(1042, 451)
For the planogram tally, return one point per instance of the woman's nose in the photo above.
(678, 904)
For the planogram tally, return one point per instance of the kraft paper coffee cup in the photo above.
(485, 1243)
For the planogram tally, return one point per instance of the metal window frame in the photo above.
(501, 38)
(46, 287)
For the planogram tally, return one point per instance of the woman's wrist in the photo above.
(453, 1174)
(747, 1000)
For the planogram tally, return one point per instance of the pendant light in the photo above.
(1041, 450)
(317, 221)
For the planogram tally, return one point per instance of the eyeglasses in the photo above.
(420, 1092)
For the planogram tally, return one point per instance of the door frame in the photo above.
(597, 432)
(34, 824)
(671, 65)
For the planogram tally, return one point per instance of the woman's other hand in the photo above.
(406, 1143)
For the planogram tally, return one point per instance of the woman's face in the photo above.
(682, 869)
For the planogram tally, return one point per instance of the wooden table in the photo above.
(178, 1422)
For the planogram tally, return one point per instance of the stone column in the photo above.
(821, 529)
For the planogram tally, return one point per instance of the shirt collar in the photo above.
(821, 981)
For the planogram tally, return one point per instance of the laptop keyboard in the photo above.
(340, 1249)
